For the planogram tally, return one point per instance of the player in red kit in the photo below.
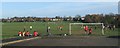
(86, 29)
(27, 33)
(35, 33)
(19, 33)
(90, 31)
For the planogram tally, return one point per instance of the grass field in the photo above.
(11, 29)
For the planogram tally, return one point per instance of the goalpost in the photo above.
(83, 24)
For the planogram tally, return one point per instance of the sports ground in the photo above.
(10, 31)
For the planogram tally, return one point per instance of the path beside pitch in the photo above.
(70, 41)
(17, 41)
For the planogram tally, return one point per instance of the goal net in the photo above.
(78, 28)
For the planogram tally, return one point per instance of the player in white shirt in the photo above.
(48, 30)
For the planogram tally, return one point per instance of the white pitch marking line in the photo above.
(2, 44)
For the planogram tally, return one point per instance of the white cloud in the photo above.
(60, 0)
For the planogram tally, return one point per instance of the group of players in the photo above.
(20, 33)
(88, 30)
(48, 29)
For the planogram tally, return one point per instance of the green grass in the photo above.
(11, 29)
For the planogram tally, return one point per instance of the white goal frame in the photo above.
(86, 23)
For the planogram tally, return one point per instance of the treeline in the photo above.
(107, 19)
(113, 19)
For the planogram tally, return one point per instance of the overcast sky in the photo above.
(53, 8)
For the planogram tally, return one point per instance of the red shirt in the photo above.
(86, 28)
(27, 33)
(19, 32)
(90, 30)
(35, 33)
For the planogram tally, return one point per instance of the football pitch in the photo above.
(10, 30)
